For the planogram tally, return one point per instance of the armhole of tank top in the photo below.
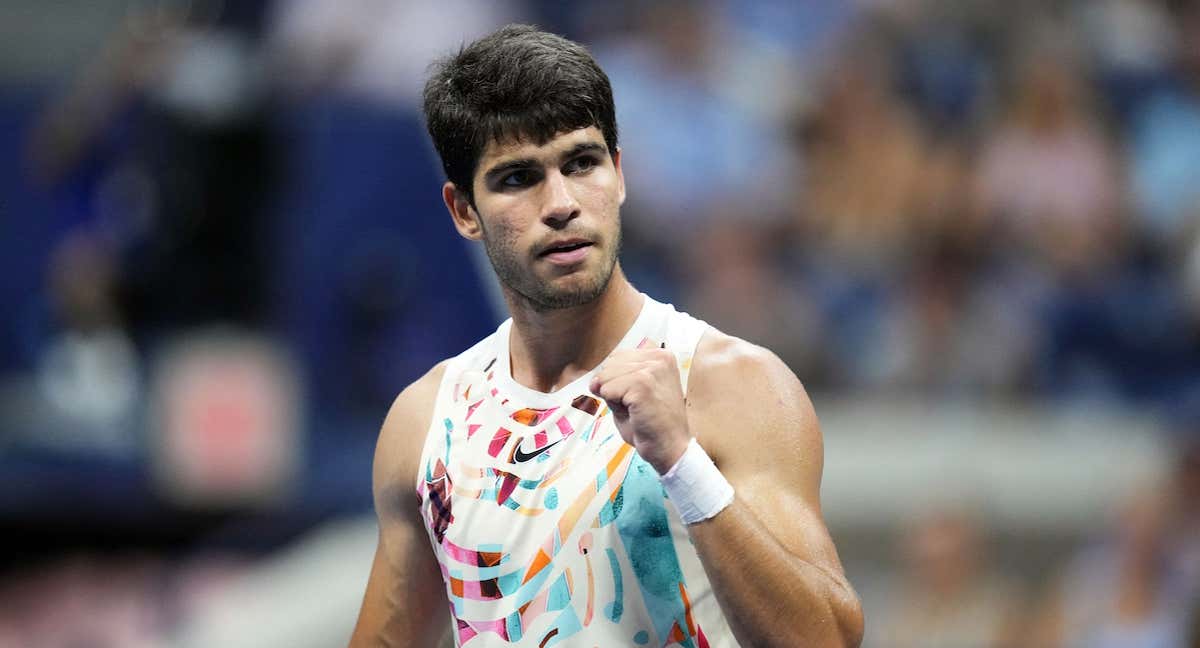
(694, 331)
(446, 384)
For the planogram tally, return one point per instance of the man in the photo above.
(602, 470)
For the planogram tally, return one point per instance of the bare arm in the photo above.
(768, 555)
(405, 602)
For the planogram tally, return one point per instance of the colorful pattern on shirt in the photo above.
(548, 527)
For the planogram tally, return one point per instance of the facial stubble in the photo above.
(541, 295)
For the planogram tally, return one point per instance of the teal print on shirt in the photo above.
(646, 534)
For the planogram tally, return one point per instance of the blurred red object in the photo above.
(226, 419)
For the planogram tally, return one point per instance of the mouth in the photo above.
(567, 251)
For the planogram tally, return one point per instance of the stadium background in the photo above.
(971, 228)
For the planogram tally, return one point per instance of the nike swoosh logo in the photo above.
(521, 457)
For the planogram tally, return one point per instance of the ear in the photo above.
(616, 158)
(466, 219)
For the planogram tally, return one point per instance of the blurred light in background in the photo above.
(970, 227)
(226, 421)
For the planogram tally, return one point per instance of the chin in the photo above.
(583, 290)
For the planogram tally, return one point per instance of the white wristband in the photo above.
(696, 486)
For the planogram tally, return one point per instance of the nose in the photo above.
(560, 205)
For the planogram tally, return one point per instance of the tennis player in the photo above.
(602, 470)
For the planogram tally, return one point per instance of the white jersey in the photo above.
(549, 528)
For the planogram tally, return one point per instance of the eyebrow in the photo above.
(584, 147)
(525, 163)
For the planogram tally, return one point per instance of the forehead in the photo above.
(499, 152)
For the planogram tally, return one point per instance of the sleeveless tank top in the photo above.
(548, 527)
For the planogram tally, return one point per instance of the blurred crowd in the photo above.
(974, 199)
(1134, 584)
(967, 200)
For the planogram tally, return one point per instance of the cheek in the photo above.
(503, 228)
(504, 236)
(604, 195)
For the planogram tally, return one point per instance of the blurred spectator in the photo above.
(949, 597)
(868, 173)
(738, 286)
(957, 332)
(770, 40)
(947, 69)
(1127, 591)
(85, 601)
(182, 197)
(877, 195)
(1048, 179)
(1184, 541)
(1165, 145)
(1131, 43)
(685, 147)
(89, 373)
(376, 50)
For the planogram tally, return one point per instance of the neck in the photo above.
(549, 349)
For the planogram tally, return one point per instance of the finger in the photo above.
(624, 357)
(620, 392)
(615, 367)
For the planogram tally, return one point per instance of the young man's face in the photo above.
(548, 215)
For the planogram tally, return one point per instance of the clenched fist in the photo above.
(642, 388)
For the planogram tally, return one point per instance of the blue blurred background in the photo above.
(971, 227)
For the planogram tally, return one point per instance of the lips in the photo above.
(565, 246)
(566, 254)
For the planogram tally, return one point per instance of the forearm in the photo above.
(396, 621)
(398, 611)
(770, 596)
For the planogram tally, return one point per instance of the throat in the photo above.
(549, 382)
(552, 351)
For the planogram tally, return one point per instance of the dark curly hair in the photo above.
(517, 83)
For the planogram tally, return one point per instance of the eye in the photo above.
(518, 178)
(581, 164)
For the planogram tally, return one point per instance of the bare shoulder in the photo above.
(730, 368)
(415, 402)
(402, 437)
(740, 392)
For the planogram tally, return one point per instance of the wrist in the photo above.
(695, 485)
(666, 460)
